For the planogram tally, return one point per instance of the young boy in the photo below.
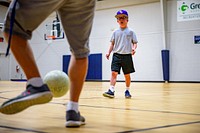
(123, 45)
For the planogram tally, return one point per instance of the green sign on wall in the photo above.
(188, 10)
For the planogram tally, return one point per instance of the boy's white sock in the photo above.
(112, 88)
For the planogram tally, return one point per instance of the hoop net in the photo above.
(51, 37)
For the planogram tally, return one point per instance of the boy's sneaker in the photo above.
(127, 94)
(74, 119)
(31, 96)
(109, 94)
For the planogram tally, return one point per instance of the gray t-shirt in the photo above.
(123, 40)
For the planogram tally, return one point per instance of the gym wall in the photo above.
(145, 20)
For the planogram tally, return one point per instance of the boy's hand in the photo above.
(133, 51)
(107, 56)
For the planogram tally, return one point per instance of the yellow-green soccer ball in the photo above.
(58, 82)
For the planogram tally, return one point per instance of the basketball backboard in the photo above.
(53, 31)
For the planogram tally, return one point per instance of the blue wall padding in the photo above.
(165, 64)
(94, 66)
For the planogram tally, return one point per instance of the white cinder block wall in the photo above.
(145, 19)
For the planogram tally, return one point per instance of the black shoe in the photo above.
(109, 94)
(127, 94)
(74, 119)
(31, 96)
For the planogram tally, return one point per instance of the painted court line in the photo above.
(21, 129)
(160, 127)
(145, 110)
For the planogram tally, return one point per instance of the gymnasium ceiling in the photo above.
(104, 4)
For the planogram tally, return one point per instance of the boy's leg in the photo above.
(128, 82)
(115, 68)
(113, 78)
(128, 68)
(111, 91)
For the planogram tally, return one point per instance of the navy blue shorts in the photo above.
(123, 61)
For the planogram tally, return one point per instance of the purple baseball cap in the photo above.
(121, 13)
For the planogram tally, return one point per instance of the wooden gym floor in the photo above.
(154, 108)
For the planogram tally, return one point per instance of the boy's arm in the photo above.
(110, 49)
(134, 48)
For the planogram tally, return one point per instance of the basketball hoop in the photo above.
(53, 31)
(51, 37)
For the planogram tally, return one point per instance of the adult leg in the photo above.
(77, 18)
(36, 92)
(77, 72)
(24, 55)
